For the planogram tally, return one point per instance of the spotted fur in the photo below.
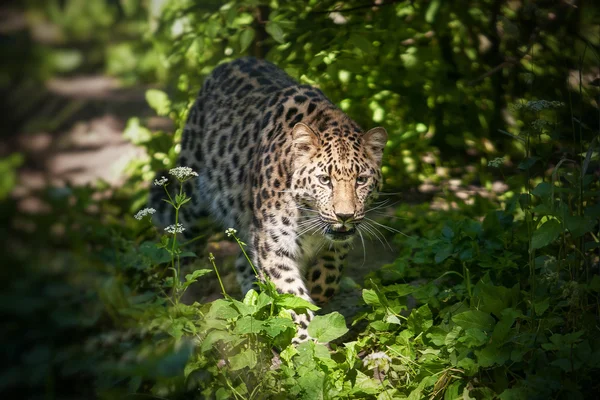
(285, 167)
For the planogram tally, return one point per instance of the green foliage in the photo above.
(497, 298)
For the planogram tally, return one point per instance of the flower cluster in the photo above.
(142, 213)
(496, 162)
(173, 229)
(182, 173)
(230, 232)
(538, 105)
(161, 182)
(541, 124)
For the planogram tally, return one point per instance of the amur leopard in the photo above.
(284, 166)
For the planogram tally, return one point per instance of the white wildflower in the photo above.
(161, 181)
(379, 363)
(142, 213)
(182, 173)
(230, 232)
(173, 229)
(496, 162)
(380, 355)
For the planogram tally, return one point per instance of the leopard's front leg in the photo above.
(324, 274)
(275, 252)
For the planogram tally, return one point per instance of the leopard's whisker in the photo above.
(362, 240)
(389, 228)
(373, 234)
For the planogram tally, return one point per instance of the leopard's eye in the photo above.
(324, 179)
(361, 180)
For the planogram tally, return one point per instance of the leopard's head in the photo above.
(336, 176)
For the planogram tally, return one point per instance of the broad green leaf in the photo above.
(276, 325)
(528, 163)
(214, 336)
(246, 38)
(473, 337)
(503, 327)
(221, 309)
(578, 226)
(326, 328)
(546, 234)
(247, 358)
(248, 324)
(288, 353)
(155, 254)
(474, 319)
(541, 306)
(159, 101)
(542, 190)
(295, 303)
(251, 298)
(370, 297)
(365, 384)
(243, 308)
(444, 252)
(420, 320)
(263, 300)
(491, 355)
(275, 30)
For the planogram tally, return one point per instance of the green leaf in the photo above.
(263, 300)
(193, 277)
(276, 325)
(541, 306)
(251, 298)
(444, 252)
(360, 42)
(214, 336)
(474, 319)
(491, 355)
(246, 38)
(578, 226)
(221, 309)
(420, 320)
(432, 11)
(473, 337)
(248, 324)
(326, 328)
(274, 29)
(295, 303)
(542, 190)
(243, 308)
(365, 384)
(245, 359)
(528, 163)
(155, 254)
(546, 234)
(370, 297)
(159, 101)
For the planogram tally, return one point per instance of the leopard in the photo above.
(289, 170)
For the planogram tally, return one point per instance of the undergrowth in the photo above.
(495, 304)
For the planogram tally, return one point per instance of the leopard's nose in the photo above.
(344, 217)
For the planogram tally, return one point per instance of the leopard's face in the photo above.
(336, 179)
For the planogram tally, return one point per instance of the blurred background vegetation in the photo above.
(449, 80)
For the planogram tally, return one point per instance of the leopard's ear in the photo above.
(305, 141)
(375, 140)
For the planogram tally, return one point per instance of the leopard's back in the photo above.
(225, 137)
